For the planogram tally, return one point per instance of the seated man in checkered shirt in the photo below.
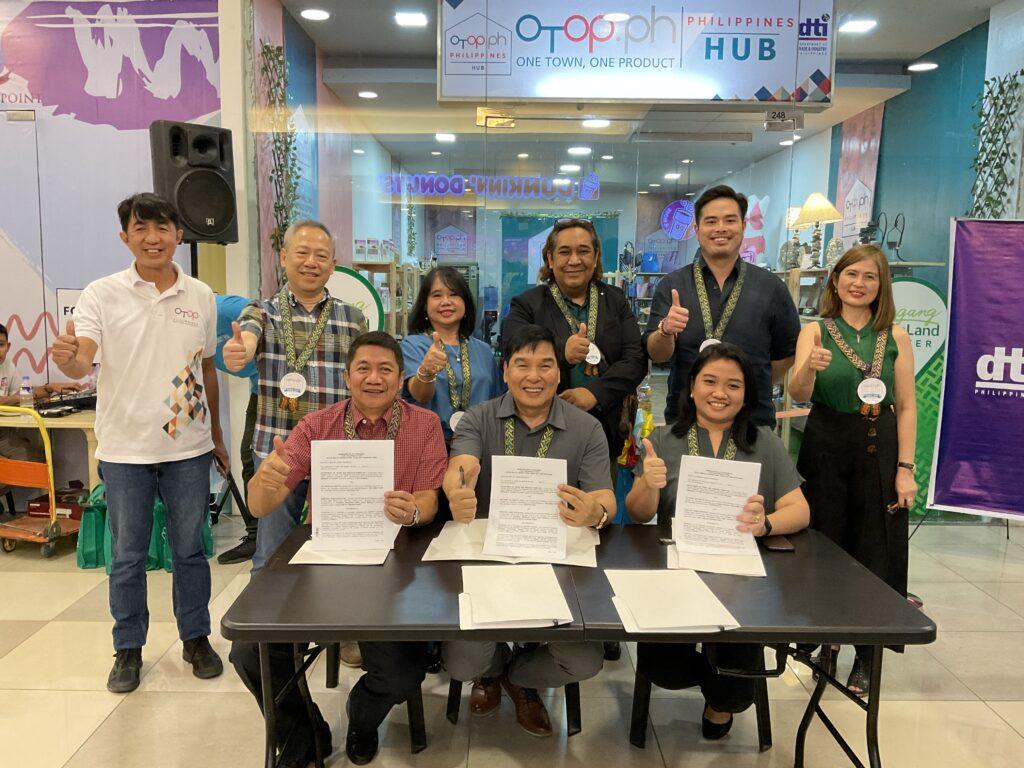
(374, 412)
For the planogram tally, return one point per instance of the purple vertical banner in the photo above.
(980, 446)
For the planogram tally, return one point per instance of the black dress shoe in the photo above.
(714, 731)
(361, 748)
(124, 675)
(612, 651)
(204, 660)
(239, 553)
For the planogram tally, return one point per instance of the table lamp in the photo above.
(817, 210)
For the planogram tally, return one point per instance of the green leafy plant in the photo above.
(284, 163)
(995, 163)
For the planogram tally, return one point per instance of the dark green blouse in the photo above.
(836, 386)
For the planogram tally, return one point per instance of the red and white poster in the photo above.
(858, 167)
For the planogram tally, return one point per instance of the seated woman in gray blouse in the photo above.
(715, 422)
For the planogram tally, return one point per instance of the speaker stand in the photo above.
(193, 249)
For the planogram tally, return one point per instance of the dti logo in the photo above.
(1001, 369)
(815, 29)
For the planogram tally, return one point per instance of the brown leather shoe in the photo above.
(485, 697)
(531, 714)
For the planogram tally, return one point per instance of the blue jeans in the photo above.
(132, 489)
(275, 527)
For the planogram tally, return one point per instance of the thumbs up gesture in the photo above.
(655, 471)
(677, 317)
(820, 357)
(235, 354)
(436, 358)
(65, 346)
(577, 346)
(275, 468)
(462, 500)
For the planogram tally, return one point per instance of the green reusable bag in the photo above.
(89, 552)
(167, 556)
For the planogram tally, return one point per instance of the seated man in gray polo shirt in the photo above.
(544, 426)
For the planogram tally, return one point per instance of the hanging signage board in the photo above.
(753, 51)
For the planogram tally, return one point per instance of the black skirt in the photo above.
(848, 462)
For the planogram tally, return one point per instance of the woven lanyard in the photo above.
(459, 399)
(393, 425)
(873, 371)
(288, 331)
(567, 313)
(717, 331)
(693, 449)
(510, 438)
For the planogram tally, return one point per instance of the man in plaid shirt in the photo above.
(394, 670)
(299, 338)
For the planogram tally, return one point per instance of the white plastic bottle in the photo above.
(27, 399)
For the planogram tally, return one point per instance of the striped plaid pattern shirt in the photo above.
(324, 372)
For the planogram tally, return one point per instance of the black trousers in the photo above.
(248, 465)
(680, 665)
(394, 672)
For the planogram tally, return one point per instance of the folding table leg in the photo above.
(269, 719)
(307, 699)
(333, 663)
(764, 716)
(572, 709)
(641, 706)
(454, 701)
(417, 725)
(874, 697)
(805, 722)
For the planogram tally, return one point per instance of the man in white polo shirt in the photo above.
(157, 426)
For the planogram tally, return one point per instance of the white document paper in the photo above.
(736, 565)
(348, 480)
(511, 596)
(524, 519)
(711, 493)
(309, 556)
(667, 601)
(459, 541)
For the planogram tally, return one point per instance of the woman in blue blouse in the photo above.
(440, 349)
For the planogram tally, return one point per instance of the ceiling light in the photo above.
(687, 161)
(796, 137)
(654, 184)
(579, 150)
(411, 19)
(607, 157)
(367, 94)
(616, 16)
(672, 176)
(523, 155)
(315, 14)
(435, 153)
(431, 171)
(922, 66)
(448, 138)
(561, 182)
(358, 151)
(596, 122)
(786, 143)
(569, 168)
(642, 192)
(858, 26)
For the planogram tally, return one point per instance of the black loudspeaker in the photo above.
(193, 168)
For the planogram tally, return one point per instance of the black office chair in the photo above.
(642, 698)
(573, 718)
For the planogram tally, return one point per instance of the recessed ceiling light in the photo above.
(672, 176)
(596, 122)
(523, 155)
(569, 168)
(358, 151)
(858, 26)
(607, 157)
(448, 138)
(315, 14)
(616, 16)
(561, 182)
(654, 184)
(786, 143)
(431, 171)
(435, 153)
(642, 192)
(922, 66)
(579, 150)
(367, 94)
(411, 19)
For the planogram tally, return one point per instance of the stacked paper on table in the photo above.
(511, 597)
(459, 541)
(712, 492)
(309, 556)
(667, 602)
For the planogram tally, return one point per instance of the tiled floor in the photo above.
(958, 702)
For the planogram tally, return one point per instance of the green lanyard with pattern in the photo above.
(459, 400)
(590, 369)
(693, 449)
(873, 371)
(298, 362)
(510, 438)
(717, 331)
(393, 425)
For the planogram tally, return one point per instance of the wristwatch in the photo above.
(604, 519)
(906, 465)
(416, 518)
(767, 527)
